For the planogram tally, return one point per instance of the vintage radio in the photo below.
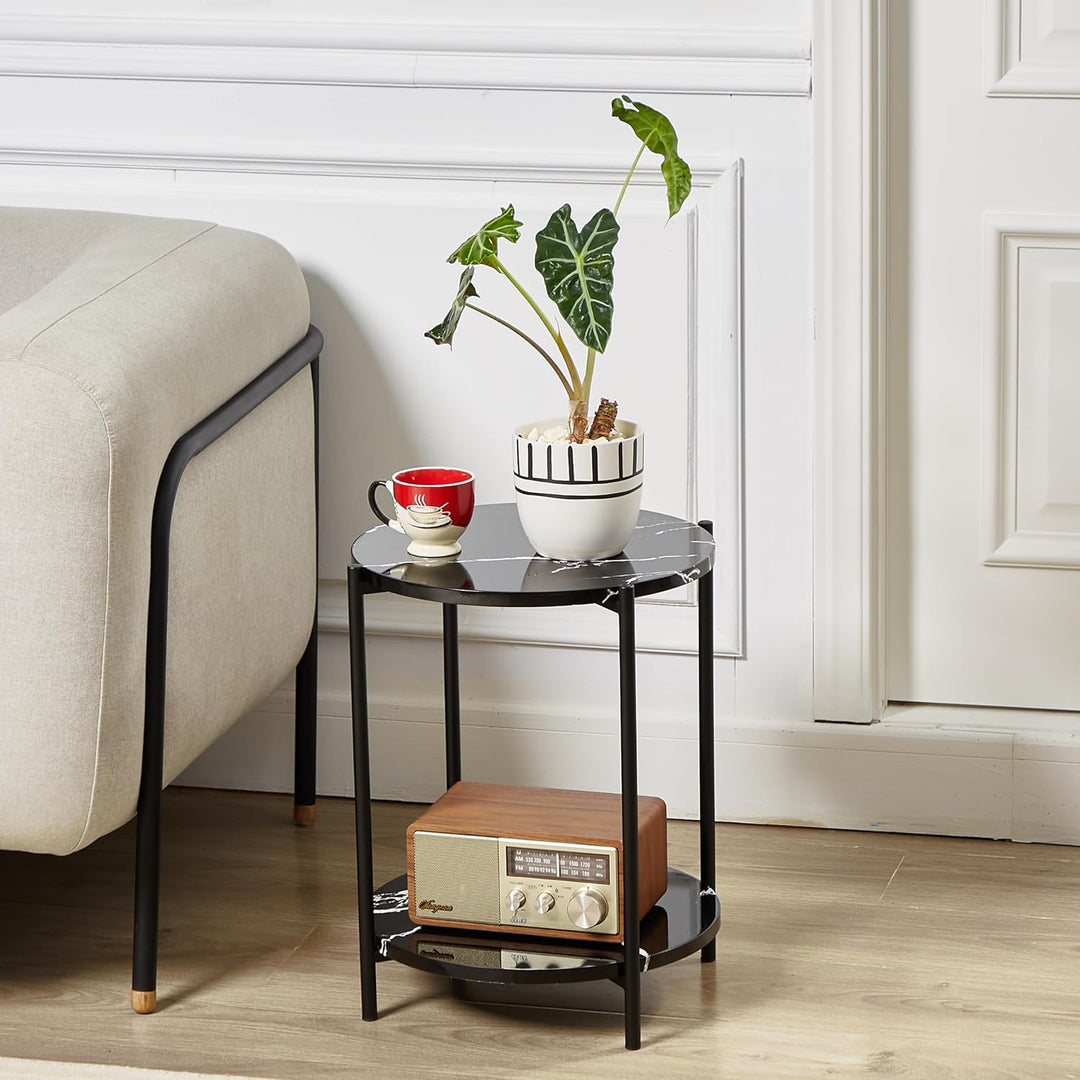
(531, 861)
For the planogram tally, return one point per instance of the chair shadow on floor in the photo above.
(67, 921)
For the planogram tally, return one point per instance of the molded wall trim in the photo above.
(636, 59)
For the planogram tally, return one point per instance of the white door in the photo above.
(983, 332)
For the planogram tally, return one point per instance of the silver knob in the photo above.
(515, 899)
(587, 908)
(545, 902)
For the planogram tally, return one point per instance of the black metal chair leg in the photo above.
(148, 827)
(148, 869)
(307, 673)
(306, 732)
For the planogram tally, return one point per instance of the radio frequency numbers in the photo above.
(563, 866)
(579, 867)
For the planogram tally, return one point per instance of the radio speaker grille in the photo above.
(456, 872)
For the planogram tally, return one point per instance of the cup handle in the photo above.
(372, 488)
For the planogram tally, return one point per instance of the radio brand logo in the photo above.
(430, 905)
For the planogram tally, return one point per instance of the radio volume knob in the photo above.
(587, 908)
(545, 902)
(515, 899)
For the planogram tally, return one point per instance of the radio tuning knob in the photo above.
(545, 902)
(515, 899)
(587, 908)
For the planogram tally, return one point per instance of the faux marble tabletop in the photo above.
(498, 566)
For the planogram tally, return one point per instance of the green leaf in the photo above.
(443, 334)
(483, 245)
(578, 270)
(655, 131)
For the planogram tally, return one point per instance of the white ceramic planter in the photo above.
(578, 502)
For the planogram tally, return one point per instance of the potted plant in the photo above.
(578, 481)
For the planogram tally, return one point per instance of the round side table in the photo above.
(498, 567)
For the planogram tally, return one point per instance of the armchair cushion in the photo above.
(117, 335)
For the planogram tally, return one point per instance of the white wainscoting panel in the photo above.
(1032, 391)
(392, 398)
(1032, 48)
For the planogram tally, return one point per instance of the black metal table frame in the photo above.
(623, 604)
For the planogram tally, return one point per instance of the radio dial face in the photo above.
(587, 907)
(552, 887)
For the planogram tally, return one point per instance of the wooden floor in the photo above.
(841, 955)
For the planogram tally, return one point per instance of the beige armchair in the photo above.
(158, 417)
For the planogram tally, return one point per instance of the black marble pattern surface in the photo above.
(498, 566)
(684, 919)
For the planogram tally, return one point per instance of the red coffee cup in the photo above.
(432, 506)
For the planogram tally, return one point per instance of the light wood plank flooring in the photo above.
(840, 955)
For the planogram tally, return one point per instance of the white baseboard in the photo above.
(946, 772)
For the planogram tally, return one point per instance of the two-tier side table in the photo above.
(498, 567)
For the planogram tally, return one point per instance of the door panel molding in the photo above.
(1031, 516)
(1028, 53)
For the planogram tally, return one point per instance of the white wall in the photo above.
(370, 142)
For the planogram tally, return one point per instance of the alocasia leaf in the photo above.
(443, 334)
(655, 131)
(578, 271)
(484, 244)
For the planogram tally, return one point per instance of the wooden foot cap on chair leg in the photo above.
(144, 1001)
(304, 815)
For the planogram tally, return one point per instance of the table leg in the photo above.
(631, 914)
(365, 885)
(706, 746)
(451, 694)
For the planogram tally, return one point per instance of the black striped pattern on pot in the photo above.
(578, 464)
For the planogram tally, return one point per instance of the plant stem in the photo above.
(626, 182)
(586, 387)
(521, 334)
(575, 378)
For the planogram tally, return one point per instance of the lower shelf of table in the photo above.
(683, 921)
